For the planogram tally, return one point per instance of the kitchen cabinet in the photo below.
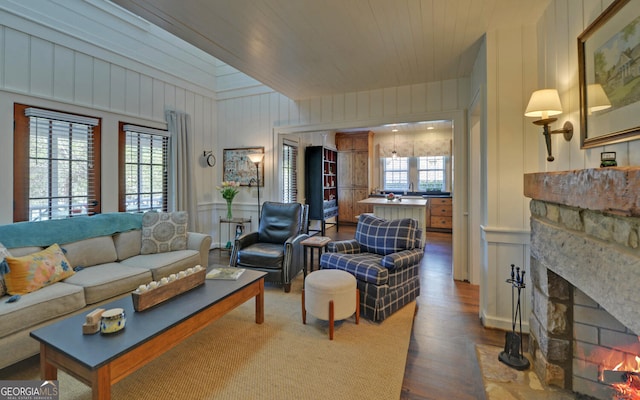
(354, 152)
(440, 213)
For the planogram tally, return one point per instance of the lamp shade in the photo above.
(597, 98)
(255, 157)
(544, 103)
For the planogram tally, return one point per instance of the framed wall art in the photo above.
(237, 166)
(609, 76)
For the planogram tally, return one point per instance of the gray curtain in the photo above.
(182, 191)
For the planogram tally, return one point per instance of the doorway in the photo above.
(312, 135)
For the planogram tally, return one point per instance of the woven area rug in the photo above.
(234, 358)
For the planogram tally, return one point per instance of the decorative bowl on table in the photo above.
(390, 196)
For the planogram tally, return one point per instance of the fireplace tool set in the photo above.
(513, 354)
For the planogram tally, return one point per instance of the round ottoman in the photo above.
(330, 295)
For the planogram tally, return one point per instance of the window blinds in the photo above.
(145, 168)
(289, 172)
(61, 165)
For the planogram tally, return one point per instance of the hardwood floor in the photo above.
(441, 363)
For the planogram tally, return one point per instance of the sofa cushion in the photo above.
(380, 236)
(104, 281)
(3, 268)
(164, 264)
(23, 251)
(42, 305)
(37, 270)
(163, 232)
(128, 244)
(89, 252)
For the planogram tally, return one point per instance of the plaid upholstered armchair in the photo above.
(385, 258)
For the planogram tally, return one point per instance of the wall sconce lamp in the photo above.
(544, 104)
(256, 158)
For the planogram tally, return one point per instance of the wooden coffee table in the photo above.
(101, 360)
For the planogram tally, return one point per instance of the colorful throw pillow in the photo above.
(4, 268)
(163, 232)
(381, 236)
(37, 270)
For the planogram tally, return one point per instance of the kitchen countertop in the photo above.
(423, 195)
(381, 201)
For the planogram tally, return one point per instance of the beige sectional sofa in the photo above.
(106, 267)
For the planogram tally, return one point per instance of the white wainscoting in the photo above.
(503, 247)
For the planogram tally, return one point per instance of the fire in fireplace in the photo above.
(623, 376)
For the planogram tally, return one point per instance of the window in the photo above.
(396, 173)
(431, 173)
(289, 172)
(143, 169)
(56, 164)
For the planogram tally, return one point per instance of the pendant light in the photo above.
(394, 153)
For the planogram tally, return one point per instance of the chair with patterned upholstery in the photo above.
(275, 248)
(385, 258)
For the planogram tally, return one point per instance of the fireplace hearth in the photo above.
(585, 274)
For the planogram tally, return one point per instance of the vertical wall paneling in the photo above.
(404, 101)
(418, 98)
(362, 105)
(63, 73)
(41, 71)
(146, 96)
(2, 52)
(118, 84)
(101, 84)
(158, 99)
(326, 108)
(351, 107)
(449, 94)
(16, 56)
(376, 102)
(390, 102)
(132, 92)
(338, 109)
(83, 79)
(434, 96)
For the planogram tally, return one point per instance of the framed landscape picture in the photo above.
(238, 167)
(609, 76)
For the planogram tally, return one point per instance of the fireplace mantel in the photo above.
(584, 227)
(612, 190)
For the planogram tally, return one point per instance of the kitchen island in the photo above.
(399, 208)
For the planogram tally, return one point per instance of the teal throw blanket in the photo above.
(46, 233)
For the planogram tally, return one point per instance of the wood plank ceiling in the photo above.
(311, 48)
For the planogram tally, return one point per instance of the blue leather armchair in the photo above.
(275, 248)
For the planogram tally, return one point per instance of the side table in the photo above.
(237, 221)
(314, 242)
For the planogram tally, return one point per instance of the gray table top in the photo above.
(96, 350)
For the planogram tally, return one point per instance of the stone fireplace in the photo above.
(585, 275)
